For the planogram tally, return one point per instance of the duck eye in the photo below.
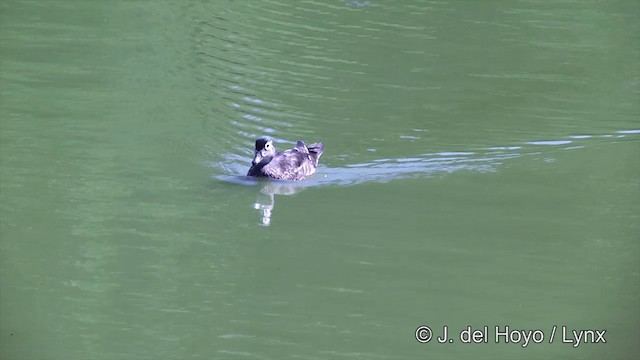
(267, 146)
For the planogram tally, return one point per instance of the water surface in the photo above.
(481, 168)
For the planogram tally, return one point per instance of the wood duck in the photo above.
(294, 164)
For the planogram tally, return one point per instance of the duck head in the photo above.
(264, 152)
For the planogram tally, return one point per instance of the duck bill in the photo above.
(257, 158)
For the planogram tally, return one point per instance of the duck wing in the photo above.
(301, 147)
(290, 165)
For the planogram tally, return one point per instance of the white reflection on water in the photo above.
(550, 142)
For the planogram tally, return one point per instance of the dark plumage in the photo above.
(294, 164)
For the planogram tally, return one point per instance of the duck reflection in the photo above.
(266, 202)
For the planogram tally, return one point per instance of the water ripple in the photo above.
(425, 165)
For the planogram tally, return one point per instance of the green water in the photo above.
(482, 168)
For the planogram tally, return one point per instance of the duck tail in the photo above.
(315, 151)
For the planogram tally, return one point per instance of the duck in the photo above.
(295, 164)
